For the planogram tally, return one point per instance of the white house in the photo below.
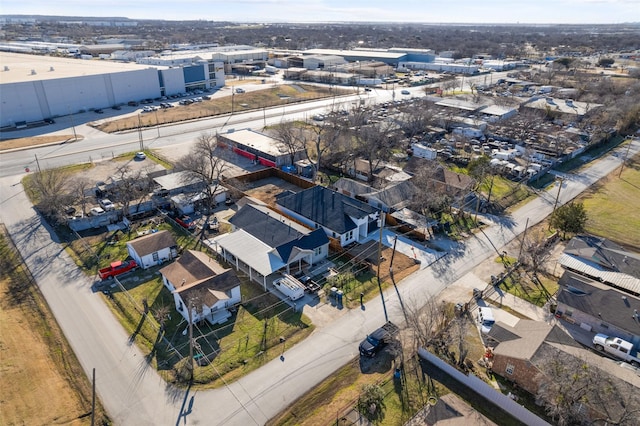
(201, 284)
(264, 242)
(341, 217)
(153, 249)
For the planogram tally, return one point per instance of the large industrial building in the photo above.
(34, 88)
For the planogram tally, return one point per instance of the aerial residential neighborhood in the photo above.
(341, 220)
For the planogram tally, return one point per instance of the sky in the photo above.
(427, 11)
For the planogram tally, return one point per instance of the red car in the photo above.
(186, 222)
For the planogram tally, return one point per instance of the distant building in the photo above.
(343, 218)
(260, 148)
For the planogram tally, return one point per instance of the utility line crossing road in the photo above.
(134, 394)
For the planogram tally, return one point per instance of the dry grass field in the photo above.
(613, 204)
(41, 381)
(270, 96)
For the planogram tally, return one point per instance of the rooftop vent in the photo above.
(51, 69)
(6, 68)
(33, 72)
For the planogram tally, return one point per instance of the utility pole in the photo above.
(140, 140)
(384, 307)
(190, 306)
(555, 204)
(524, 235)
(624, 160)
(37, 163)
(93, 398)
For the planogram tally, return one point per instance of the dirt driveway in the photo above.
(102, 170)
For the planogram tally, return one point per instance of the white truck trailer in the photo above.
(289, 286)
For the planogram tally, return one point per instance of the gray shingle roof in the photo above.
(195, 274)
(272, 229)
(605, 253)
(328, 208)
(600, 301)
(152, 243)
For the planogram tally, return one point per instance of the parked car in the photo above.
(240, 90)
(405, 92)
(140, 155)
(97, 211)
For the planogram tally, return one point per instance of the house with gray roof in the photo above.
(599, 307)
(201, 284)
(153, 249)
(394, 196)
(263, 242)
(343, 218)
(522, 353)
(603, 260)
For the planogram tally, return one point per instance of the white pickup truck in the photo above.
(617, 347)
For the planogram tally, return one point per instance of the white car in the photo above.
(239, 90)
(97, 211)
(140, 155)
(107, 204)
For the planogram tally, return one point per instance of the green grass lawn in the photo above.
(613, 207)
(249, 339)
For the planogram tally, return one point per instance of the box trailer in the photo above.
(289, 286)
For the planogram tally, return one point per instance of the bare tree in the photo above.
(431, 199)
(372, 141)
(416, 120)
(292, 137)
(205, 165)
(535, 252)
(131, 186)
(50, 190)
(458, 335)
(80, 186)
(325, 138)
(425, 322)
(574, 391)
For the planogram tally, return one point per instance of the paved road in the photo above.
(134, 394)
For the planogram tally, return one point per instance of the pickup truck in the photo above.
(117, 268)
(186, 222)
(377, 340)
(617, 347)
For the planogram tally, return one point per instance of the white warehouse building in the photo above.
(35, 88)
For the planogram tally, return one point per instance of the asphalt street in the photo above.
(134, 394)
